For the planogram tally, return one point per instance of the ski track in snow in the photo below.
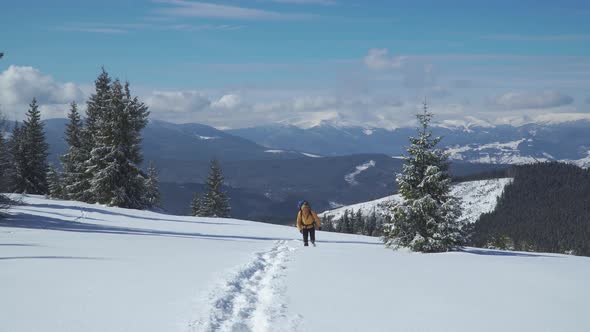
(252, 299)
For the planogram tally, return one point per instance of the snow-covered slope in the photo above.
(68, 266)
(477, 197)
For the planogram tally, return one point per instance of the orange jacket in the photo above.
(311, 221)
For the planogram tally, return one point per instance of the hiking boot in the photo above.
(306, 244)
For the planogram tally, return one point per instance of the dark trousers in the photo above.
(311, 233)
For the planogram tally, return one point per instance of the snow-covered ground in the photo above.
(67, 266)
(477, 197)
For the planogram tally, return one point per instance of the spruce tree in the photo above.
(428, 218)
(18, 159)
(113, 128)
(215, 202)
(4, 163)
(371, 224)
(152, 188)
(55, 183)
(344, 223)
(359, 223)
(97, 115)
(5, 166)
(196, 205)
(75, 181)
(30, 154)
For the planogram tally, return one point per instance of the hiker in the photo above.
(307, 222)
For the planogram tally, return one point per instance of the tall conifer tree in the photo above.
(30, 154)
(75, 181)
(428, 219)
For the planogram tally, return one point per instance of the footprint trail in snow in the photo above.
(252, 299)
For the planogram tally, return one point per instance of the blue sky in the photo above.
(246, 62)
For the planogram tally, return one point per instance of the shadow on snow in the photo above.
(491, 252)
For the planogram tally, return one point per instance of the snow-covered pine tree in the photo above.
(97, 106)
(116, 177)
(31, 154)
(97, 109)
(112, 138)
(4, 162)
(152, 188)
(17, 159)
(5, 166)
(215, 202)
(344, 223)
(196, 205)
(75, 180)
(358, 222)
(428, 219)
(55, 183)
(371, 224)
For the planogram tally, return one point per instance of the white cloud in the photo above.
(379, 59)
(229, 101)
(177, 101)
(438, 92)
(182, 8)
(413, 71)
(18, 86)
(527, 100)
(315, 103)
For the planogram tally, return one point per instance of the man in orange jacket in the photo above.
(307, 222)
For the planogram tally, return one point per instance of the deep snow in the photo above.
(67, 266)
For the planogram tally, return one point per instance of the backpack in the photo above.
(300, 204)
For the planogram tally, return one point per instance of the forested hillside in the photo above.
(546, 208)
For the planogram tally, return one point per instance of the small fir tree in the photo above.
(215, 202)
(196, 205)
(371, 224)
(5, 164)
(359, 223)
(55, 183)
(152, 187)
(17, 158)
(428, 219)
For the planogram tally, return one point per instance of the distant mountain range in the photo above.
(503, 144)
(263, 182)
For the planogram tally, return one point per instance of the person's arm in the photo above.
(299, 224)
(318, 221)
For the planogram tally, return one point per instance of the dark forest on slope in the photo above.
(546, 208)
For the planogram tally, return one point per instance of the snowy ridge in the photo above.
(584, 162)
(493, 153)
(351, 178)
(477, 197)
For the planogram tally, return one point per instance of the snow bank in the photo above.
(67, 266)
